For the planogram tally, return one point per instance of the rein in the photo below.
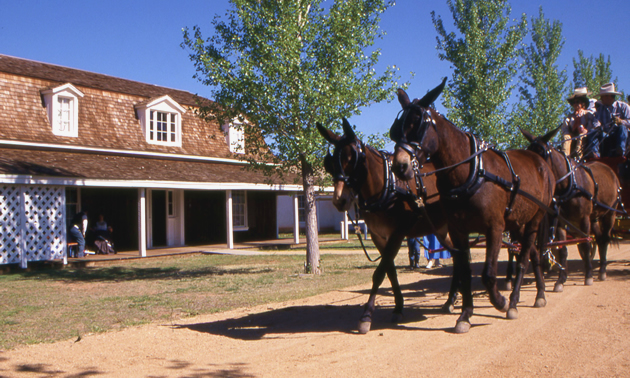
(357, 231)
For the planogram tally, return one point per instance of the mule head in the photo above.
(414, 132)
(346, 164)
(540, 145)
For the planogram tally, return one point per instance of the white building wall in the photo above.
(33, 224)
(327, 215)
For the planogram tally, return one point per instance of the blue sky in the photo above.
(140, 40)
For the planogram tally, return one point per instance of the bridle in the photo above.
(334, 166)
(397, 132)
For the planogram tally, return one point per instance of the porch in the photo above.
(285, 246)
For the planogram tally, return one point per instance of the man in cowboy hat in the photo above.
(578, 123)
(614, 118)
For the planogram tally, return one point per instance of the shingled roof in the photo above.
(60, 74)
(107, 121)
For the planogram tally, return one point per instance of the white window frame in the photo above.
(235, 136)
(53, 99)
(239, 210)
(148, 114)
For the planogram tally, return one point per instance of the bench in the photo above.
(71, 245)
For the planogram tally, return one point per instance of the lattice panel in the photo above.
(10, 212)
(44, 223)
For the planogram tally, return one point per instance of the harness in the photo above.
(477, 174)
(573, 188)
(391, 192)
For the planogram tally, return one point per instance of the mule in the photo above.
(587, 194)
(483, 191)
(387, 205)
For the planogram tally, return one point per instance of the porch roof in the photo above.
(111, 170)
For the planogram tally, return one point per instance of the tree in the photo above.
(484, 62)
(280, 66)
(543, 87)
(593, 73)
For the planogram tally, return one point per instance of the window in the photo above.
(65, 115)
(62, 106)
(171, 208)
(301, 208)
(161, 120)
(235, 137)
(239, 210)
(163, 127)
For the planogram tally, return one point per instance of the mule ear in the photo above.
(549, 136)
(330, 136)
(347, 129)
(403, 98)
(530, 138)
(433, 94)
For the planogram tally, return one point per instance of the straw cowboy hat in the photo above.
(608, 89)
(579, 94)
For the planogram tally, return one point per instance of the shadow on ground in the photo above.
(290, 322)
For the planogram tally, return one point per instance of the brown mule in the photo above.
(485, 191)
(387, 205)
(586, 197)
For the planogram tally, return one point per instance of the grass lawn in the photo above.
(59, 304)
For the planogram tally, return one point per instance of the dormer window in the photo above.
(161, 121)
(162, 127)
(62, 106)
(235, 137)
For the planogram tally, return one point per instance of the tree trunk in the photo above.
(312, 236)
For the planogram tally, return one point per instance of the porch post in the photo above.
(142, 222)
(296, 220)
(230, 225)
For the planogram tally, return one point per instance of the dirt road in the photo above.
(583, 332)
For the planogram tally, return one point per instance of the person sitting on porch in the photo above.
(77, 232)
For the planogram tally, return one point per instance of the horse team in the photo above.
(443, 181)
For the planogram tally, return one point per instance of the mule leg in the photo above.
(527, 243)
(398, 297)
(388, 251)
(489, 274)
(365, 323)
(603, 241)
(563, 255)
(585, 253)
(535, 258)
(509, 273)
(449, 306)
(463, 277)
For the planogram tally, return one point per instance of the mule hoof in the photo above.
(602, 276)
(588, 281)
(397, 318)
(512, 314)
(540, 302)
(558, 288)
(508, 285)
(505, 307)
(462, 327)
(364, 327)
(448, 308)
